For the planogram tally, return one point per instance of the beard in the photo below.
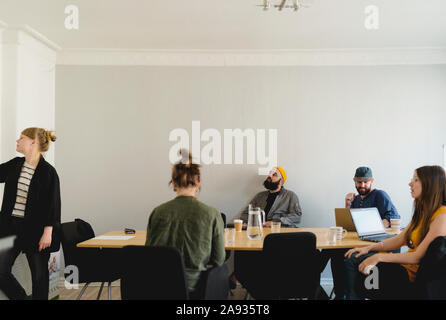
(268, 184)
(363, 191)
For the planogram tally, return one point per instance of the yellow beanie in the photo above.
(282, 172)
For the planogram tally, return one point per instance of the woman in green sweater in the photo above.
(188, 225)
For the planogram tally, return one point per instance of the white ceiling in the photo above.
(232, 24)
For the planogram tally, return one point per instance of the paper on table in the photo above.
(114, 237)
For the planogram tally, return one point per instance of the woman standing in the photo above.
(190, 226)
(31, 212)
(397, 271)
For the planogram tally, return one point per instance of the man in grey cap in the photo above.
(368, 197)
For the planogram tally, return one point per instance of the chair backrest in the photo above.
(292, 265)
(152, 273)
(431, 275)
(213, 284)
(71, 233)
(223, 216)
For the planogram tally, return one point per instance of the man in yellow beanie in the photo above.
(278, 203)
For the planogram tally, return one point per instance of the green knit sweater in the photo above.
(193, 228)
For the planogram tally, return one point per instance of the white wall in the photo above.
(114, 123)
(27, 98)
(29, 93)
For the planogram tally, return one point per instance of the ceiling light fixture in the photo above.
(295, 5)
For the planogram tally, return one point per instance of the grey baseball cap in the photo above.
(363, 173)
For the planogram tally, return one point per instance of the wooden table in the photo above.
(351, 240)
(242, 243)
(138, 240)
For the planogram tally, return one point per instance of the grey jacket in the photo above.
(286, 207)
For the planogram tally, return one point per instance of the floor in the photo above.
(93, 289)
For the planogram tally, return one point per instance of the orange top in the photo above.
(415, 237)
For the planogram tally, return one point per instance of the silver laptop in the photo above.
(369, 225)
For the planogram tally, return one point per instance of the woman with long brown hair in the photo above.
(190, 226)
(31, 212)
(397, 270)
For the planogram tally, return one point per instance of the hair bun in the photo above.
(50, 136)
(186, 156)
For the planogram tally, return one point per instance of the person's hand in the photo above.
(369, 263)
(45, 240)
(349, 199)
(361, 251)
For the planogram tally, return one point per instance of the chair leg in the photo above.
(82, 291)
(100, 290)
(109, 290)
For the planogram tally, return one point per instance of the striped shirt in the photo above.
(26, 174)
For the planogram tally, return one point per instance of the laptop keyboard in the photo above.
(378, 238)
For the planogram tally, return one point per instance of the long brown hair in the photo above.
(44, 137)
(185, 173)
(433, 196)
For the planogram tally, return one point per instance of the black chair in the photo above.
(223, 216)
(228, 252)
(431, 276)
(288, 268)
(157, 273)
(430, 283)
(93, 265)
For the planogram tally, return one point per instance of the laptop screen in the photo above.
(367, 221)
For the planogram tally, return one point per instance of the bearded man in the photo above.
(278, 203)
(368, 197)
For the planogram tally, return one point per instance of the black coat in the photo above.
(42, 207)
